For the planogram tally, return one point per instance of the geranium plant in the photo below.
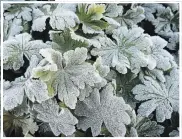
(82, 69)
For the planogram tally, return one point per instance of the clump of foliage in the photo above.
(91, 70)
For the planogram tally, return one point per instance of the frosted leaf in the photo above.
(102, 69)
(12, 122)
(133, 132)
(85, 92)
(130, 50)
(174, 133)
(21, 109)
(15, 91)
(64, 41)
(144, 127)
(131, 17)
(90, 40)
(104, 108)
(19, 11)
(173, 6)
(12, 28)
(90, 16)
(17, 47)
(59, 121)
(155, 74)
(166, 21)
(6, 6)
(173, 41)
(176, 57)
(157, 96)
(61, 16)
(36, 90)
(164, 60)
(113, 10)
(72, 74)
(150, 9)
(13, 94)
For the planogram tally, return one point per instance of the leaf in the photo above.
(131, 17)
(15, 91)
(61, 16)
(90, 16)
(156, 74)
(164, 60)
(59, 121)
(36, 90)
(21, 109)
(174, 133)
(173, 41)
(150, 9)
(174, 6)
(157, 96)
(21, 124)
(12, 94)
(17, 47)
(144, 127)
(103, 71)
(20, 11)
(166, 21)
(113, 10)
(12, 28)
(105, 108)
(64, 42)
(131, 50)
(71, 73)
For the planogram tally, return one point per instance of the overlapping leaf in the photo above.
(166, 21)
(16, 47)
(59, 121)
(20, 125)
(90, 16)
(67, 74)
(164, 60)
(144, 127)
(61, 16)
(62, 41)
(157, 96)
(131, 50)
(14, 91)
(105, 108)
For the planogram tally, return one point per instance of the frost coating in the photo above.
(128, 51)
(162, 97)
(70, 76)
(69, 68)
(144, 127)
(104, 108)
(61, 18)
(14, 91)
(164, 60)
(17, 47)
(60, 121)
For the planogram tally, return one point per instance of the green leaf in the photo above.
(90, 17)
(21, 125)
(62, 41)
